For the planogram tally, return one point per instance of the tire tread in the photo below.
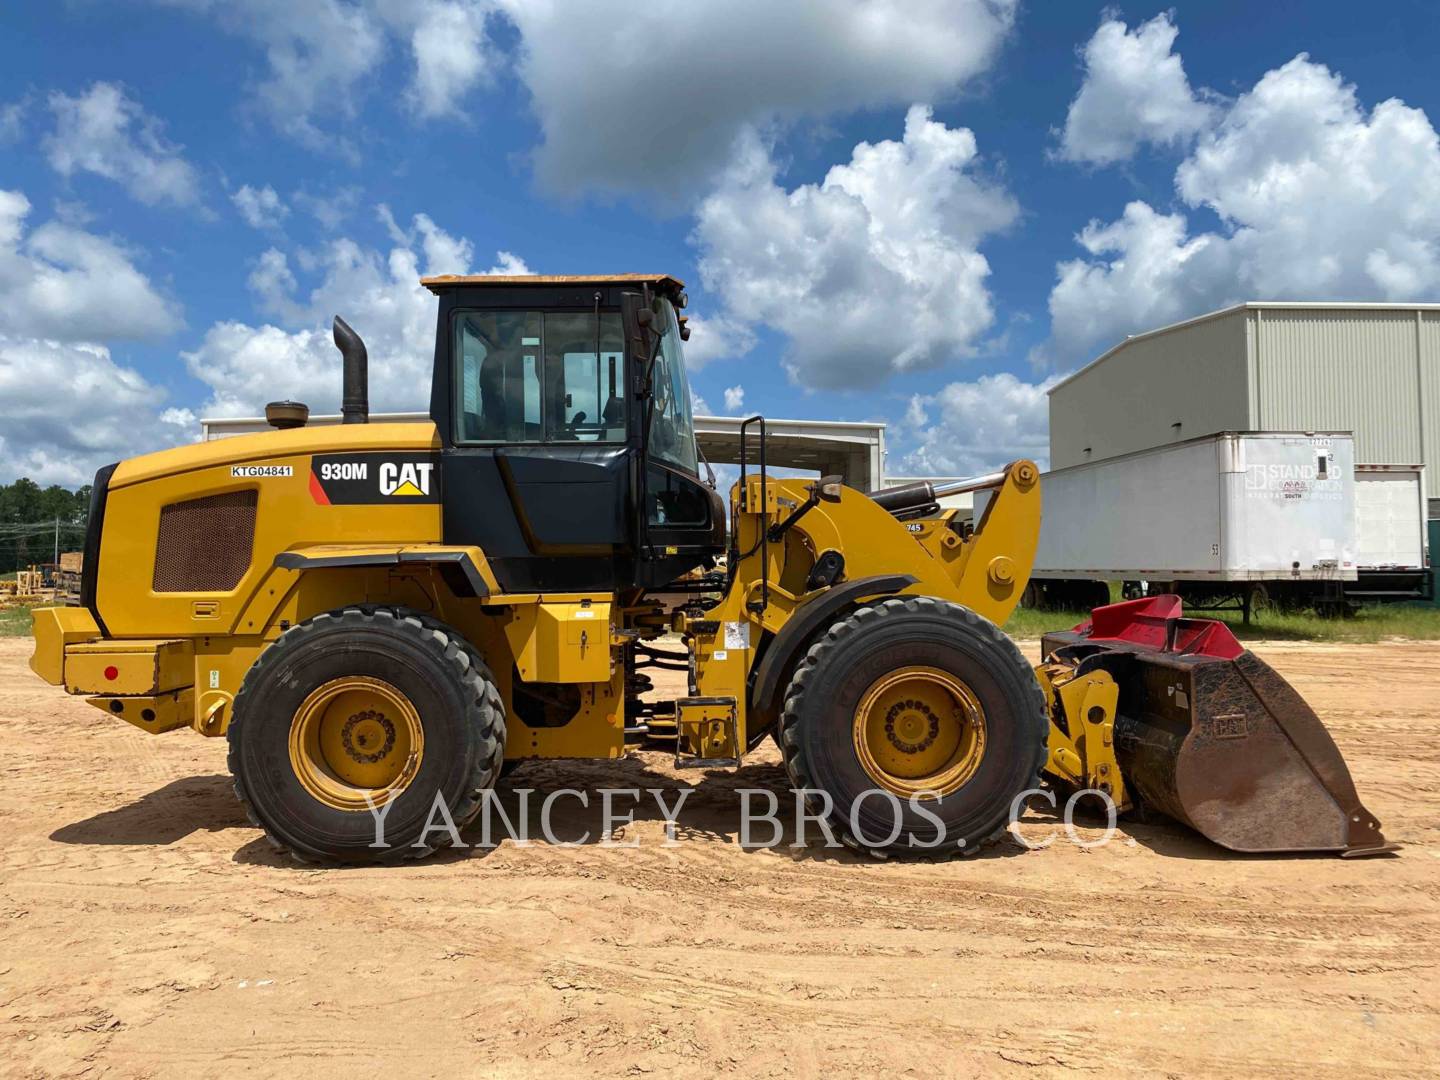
(859, 621)
(486, 712)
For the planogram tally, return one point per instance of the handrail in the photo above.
(764, 601)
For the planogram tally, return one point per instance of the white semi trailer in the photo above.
(1223, 519)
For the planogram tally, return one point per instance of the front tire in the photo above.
(365, 707)
(914, 702)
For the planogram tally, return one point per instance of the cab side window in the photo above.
(673, 502)
(499, 359)
(586, 377)
(532, 377)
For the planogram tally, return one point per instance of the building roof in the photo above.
(450, 281)
(1248, 305)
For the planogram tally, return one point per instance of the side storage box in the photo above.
(561, 642)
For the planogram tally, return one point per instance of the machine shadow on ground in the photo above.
(711, 814)
(165, 815)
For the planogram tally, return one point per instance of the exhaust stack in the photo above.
(355, 398)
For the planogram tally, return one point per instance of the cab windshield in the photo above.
(672, 426)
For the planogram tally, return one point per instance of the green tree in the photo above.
(22, 501)
(27, 517)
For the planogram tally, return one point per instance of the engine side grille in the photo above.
(205, 544)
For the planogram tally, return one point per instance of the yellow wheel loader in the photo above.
(380, 617)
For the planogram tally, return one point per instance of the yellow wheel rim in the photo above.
(356, 737)
(920, 729)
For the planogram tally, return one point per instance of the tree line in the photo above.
(28, 514)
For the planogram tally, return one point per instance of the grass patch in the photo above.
(15, 622)
(1029, 623)
(1416, 621)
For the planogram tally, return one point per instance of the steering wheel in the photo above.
(571, 429)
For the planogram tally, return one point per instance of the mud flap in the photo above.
(1210, 735)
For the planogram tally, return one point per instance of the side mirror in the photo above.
(648, 320)
(637, 316)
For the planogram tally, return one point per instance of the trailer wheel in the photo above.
(914, 725)
(356, 725)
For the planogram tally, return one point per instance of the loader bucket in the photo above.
(1210, 735)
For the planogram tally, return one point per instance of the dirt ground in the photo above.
(146, 929)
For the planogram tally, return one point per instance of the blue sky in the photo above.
(881, 207)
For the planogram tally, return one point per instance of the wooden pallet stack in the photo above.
(28, 586)
(67, 578)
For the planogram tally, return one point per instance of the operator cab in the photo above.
(568, 444)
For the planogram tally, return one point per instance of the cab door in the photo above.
(540, 473)
(682, 521)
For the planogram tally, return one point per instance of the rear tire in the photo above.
(412, 715)
(827, 729)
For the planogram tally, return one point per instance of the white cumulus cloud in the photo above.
(1141, 271)
(66, 406)
(627, 98)
(872, 271)
(103, 131)
(330, 209)
(377, 292)
(12, 120)
(653, 98)
(1317, 197)
(450, 49)
(1135, 91)
(716, 337)
(967, 428)
(734, 398)
(106, 412)
(261, 208)
(321, 57)
(59, 281)
(1315, 189)
(317, 52)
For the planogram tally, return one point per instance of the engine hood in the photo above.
(241, 449)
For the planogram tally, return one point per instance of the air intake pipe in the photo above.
(355, 397)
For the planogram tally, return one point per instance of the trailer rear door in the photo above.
(1389, 518)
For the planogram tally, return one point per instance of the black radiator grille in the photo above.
(205, 544)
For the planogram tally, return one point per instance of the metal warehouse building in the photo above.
(1373, 369)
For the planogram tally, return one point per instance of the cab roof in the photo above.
(438, 284)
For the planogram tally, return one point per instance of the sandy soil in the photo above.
(146, 929)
